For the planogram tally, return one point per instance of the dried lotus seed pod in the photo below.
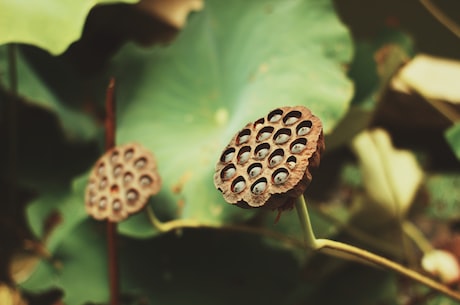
(268, 163)
(121, 183)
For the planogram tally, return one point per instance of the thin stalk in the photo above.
(441, 17)
(308, 233)
(345, 251)
(111, 226)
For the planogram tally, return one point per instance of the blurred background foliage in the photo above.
(381, 75)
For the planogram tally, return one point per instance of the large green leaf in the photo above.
(452, 136)
(233, 62)
(49, 24)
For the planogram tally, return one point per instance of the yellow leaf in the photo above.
(391, 176)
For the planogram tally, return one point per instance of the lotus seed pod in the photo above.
(268, 163)
(121, 183)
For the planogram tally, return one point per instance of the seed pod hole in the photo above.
(275, 115)
(129, 154)
(282, 136)
(140, 163)
(291, 162)
(243, 136)
(92, 200)
(145, 180)
(101, 169)
(298, 145)
(292, 117)
(117, 170)
(116, 205)
(228, 154)
(114, 189)
(264, 133)
(238, 185)
(262, 151)
(114, 157)
(280, 176)
(276, 157)
(102, 203)
(131, 196)
(304, 128)
(259, 123)
(259, 186)
(228, 172)
(127, 178)
(244, 154)
(254, 170)
(103, 183)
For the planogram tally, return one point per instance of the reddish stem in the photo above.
(111, 226)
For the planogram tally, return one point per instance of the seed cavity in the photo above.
(264, 133)
(259, 123)
(103, 203)
(254, 170)
(145, 180)
(291, 162)
(298, 145)
(280, 176)
(114, 157)
(117, 171)
(282, 136)
(244, 154)
(103, 183)
(129, 154)
(262, 151)
(275, 115)
(140, 163)
(101, 169)
(116, 205)
(276, 157)
(131, 196)
(127, 178)
(228, 154)
(228, 172)
(304, 128)
(238, 185)
(243, 136)
(292, 117)
(259, 186)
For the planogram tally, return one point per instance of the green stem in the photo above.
(346, 251)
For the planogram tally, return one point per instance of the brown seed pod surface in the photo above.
(268, 162)
(121, 182)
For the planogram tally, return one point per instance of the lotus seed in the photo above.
(259, 188)
(146, 180)
(281, 177)
(116, 205)
(92, 200)
(244, 157)
(303, 130)
(282, 138)
(114, 157)
(262, 153)
(239, 187)
(102, 203)
(117, 171)
(255, 171)
(276, 160)
(103, 183)
(140, 163)
(101, 169)
(243, 139)
(297, 148)
(291, 164)
(129, 154)
(263, 136)
(127, 178)
(291, 120)
(275, 118)
(131, 196)
(229, 173)
(229, 156)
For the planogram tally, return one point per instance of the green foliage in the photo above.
(51, 25)
(453, 138)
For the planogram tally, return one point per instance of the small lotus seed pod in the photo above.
(121, 183)
(268, 163)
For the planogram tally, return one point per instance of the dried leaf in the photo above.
(442, 264)
(391, 176)
(10, 296)
(173, 12)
